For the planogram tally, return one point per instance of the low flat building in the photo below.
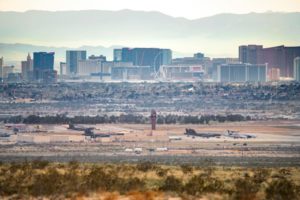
(88, 67)
(213, 70)
(14, 78)
(182, 72)
(238, 73)
(132, 73)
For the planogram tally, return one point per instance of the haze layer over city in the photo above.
(140, 99)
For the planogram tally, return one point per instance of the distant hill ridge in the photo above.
(216, 35)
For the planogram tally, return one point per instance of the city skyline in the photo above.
(190, 9)
(252, 64)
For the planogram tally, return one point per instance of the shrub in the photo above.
(145, 166)
(98, 179)
(47, 184)
(125, 185)
(161, 172)
(200, 184)
(281, 189)
(185, 168)
(172, 183)
(261, 175)
(195, 185)
(73, 164)
(245, 189)
(39, 164)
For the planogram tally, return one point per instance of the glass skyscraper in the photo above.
(72, 61)
(153, 57)
(43, 61)
(43, 67)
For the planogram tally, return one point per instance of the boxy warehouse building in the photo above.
(239, 73)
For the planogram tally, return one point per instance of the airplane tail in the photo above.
(71, 126)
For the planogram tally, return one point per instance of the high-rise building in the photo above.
(24, 70)
(6, 70)
(43, 66)
(250, 54)
(29, 62)
(92, 66)
(117, 55)
(277, 57)
(239, 73)
(1, 68)
(153, 57)
(274, 74)
(62, 68)
(297, 69)
(43, 61)
(72, 58)
(27, 68)
(199, 55)
(166, 58)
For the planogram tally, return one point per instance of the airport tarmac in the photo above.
(273, 140)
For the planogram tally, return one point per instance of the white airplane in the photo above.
(236, 135)
(174, 138)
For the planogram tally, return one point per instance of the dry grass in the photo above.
(143, 181)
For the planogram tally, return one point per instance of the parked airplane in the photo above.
(4, 134)
(16, 128)
(79, 128)
(192, 132)
(236, 135)
(19, 126)
(174, 138)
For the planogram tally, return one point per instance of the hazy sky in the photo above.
(178, 8)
